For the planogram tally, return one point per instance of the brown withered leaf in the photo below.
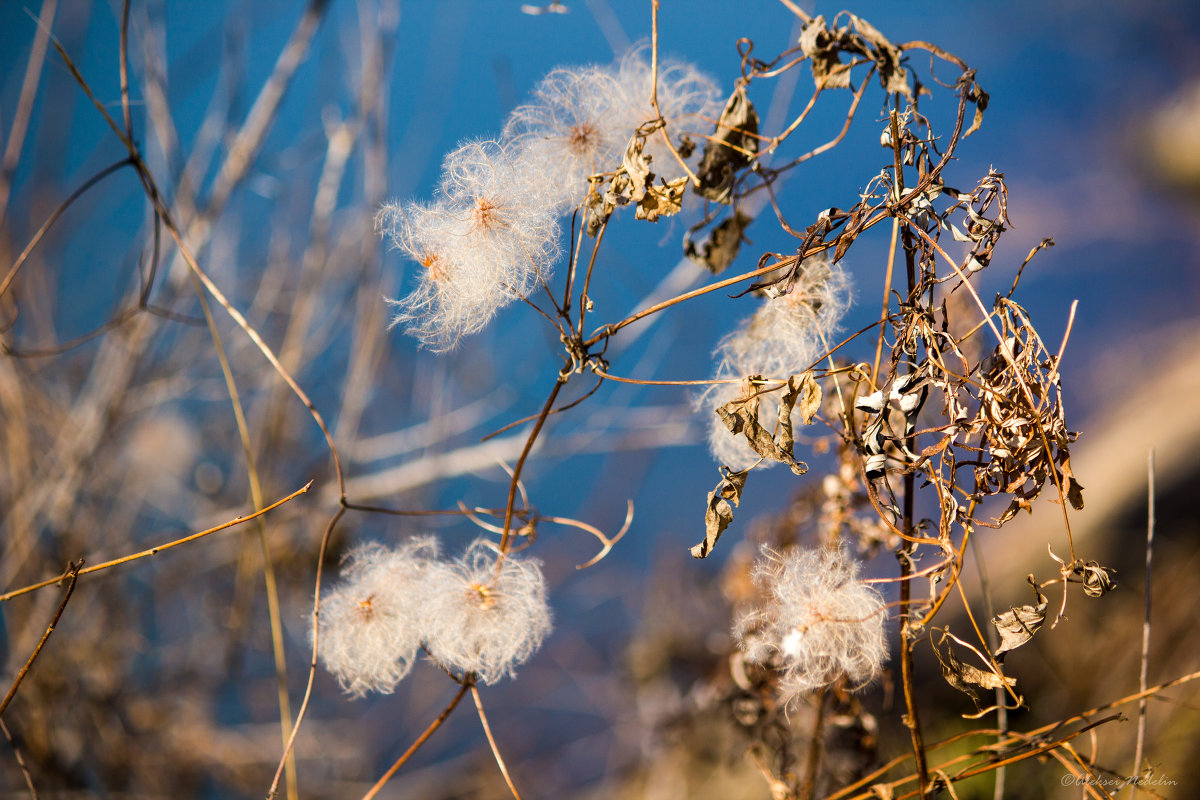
(721, 502)
(858, 216)
(1074, 487)
(631, 181)
(729, 149)
(976, 95)
(824, 48)
(721, 247)
(966, 678)
(629, 184)
(810, 396)
(821, 46)
(805, 389)
(887, 57)
(1097, 580)
(1018, 625)
(599, 208)
(740, 417)
(661, 201)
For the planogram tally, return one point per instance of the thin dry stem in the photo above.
(156, 550)
(662, 129)
(71, 577)
(19, 759)
(312, 667)
(425, 734)
(20, 121)
(1139, 750)
(487, 730)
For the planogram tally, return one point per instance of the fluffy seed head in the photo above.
(818, 622)
(484, 619)
(786, 336)
(570, 129)
(689, 100)
(511, 231)
(370, 629)
(451, 299)
(487, 242)
(789, 332)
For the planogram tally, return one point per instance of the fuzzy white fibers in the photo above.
(487, 241)
(790, 332)
(571, 129)
(690, 102)
(370, 629)
(449, 301)
(819, 622)
(511, 228)
(786, 336)
(580, 120)
(484, 619)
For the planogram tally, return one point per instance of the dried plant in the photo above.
(938, 422)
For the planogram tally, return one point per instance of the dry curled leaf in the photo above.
(721, 247)
(1097, 580)
(821, 46)
(887, 57)
(740, 417)
(661, 201)
(634, 176)
(721, 502)
(975, 94)
(629, 184)
(964, 677)
(809, 395)
(824, 47)
(1021, 417)
(1018, 625)
(730, 148)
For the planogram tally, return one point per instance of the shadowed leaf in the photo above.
(1018, 625)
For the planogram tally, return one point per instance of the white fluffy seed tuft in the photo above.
(369, 628)
(790, 332)
(819, 623)
(491, 237)
(478, 614)
(484, 618)
(570, 130)
(690, 102)
(511, 231)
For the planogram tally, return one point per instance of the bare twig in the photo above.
(487, 730)
(53, 218)
(312, 667)
(1139, 750)
(20, 120)
(153, 551)
(425, 734)
(20, 759)
(71, 576)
